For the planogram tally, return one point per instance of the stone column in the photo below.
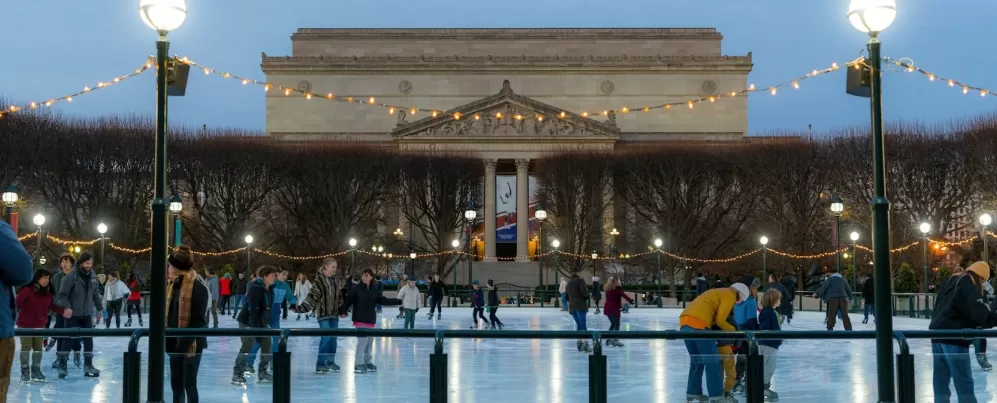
(490, 209)
(522, 210)
(608, 215)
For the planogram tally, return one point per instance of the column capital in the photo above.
(490, 164)
(522, 164)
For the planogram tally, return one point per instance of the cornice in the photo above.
(516, 34)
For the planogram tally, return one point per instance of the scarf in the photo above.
(183, 308)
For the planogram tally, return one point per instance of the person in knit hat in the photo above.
(80, 292)
(706, 311)
(960, 304)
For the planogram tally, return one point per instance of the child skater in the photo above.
(34, 302)
(364, 298)
(768, 319)
(478, 303)
(728, 359)
(493, 304)
(614, 299)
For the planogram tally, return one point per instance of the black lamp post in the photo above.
(925, 229)
(9, 198)
(836, 208)
(540, 215)
(469, 214)
(657, 248)
(353, 254)
(872, 17)
(102, 229)
(39, 221)
(176, 205)
(249, 253)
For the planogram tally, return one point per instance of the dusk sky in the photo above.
(51, 48)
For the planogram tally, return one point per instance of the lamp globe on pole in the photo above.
(658, 242)
(455, 243)
(39, 220)
(353, 242)
(872, 16)
(10, 196)
(163, 15)
(101, 229)
(469, 212)
(854, 236)
(763, 240)
(176, 204)
(925, 228)
(412, 255)
(555, 243)
(986, 219)
(249, 239)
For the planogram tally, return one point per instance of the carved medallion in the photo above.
(607, 87)
(405, 87)
(304, 86)
(709, 87)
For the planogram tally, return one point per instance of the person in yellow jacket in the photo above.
(706, 311)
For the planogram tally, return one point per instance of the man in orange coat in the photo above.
(708, 310)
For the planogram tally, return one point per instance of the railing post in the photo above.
(910, 306)
(755, 371)
(132, 380)
(519, 299)
(282, 370)
(438, 371)
(905, 370)
(597, 371)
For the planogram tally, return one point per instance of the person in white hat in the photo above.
(706, 311)
(960, 305)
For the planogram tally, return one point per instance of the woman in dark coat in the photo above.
(364, 298)
(187, 304)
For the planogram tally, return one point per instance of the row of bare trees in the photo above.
(307, 199)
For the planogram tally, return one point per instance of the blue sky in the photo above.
(52, 47)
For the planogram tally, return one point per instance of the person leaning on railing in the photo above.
(708, 310)
(15, 271)
(960, 304)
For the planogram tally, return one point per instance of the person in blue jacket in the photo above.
(478, 303)
(281, 292)
(768, 319)
(746, 317)
(16, 269)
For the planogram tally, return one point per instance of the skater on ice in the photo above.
(187, 306)
(211, 280)
(768, 319)
(15, 271)
(301, 289)
(836, 295)
(596, 293)
(134, 299)
(34, 302)
(363, 298)
(961, 304)
(614, 300)
(702, 314)
(437, 292)
(493, 305)
(578, 294)
(409, 294)
(869, 299)
(80, 292)
(256, 314)
(326, 299)
(66, 262)
(115, 294)
(477, 304)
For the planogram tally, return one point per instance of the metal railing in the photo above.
(438, 381)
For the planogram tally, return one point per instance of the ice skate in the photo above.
(332, 366)
(90, 372)
(264, 377)
(238, 379)
(371, 368)
(738, 387)
(76, 359)
(696, 398)
(984, 364)
(726, 398)
(399, 316)
(865, 321)
(63, 371)
(299, 318)
(439, 316)
(50, 345)
(359, 369)
(501, 326)
(770, 395)
(597, 310)
(583, 347)
(140, 324)
(128, 323)
(249, 370)
(36, 374)
(25, 375)
(614, 343)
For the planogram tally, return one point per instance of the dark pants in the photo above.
(435, 305)
(870, 307)
(113, 309)
(614, 322)
(479, 312)
(183, 377)
(491, 316)
(138, 309)
(283, 308)
(246, 347)
(952, 364)
(81, 322)
(596, 302)
(223, 304)
(835, 307)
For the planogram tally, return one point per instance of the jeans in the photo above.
(579, 317)
(113, 308)
(952, 362)
(239, 299)
(703, 358)
(274, 324)
(491, 316)
(409, 318)
(327, 345)
(564, 300)
(479, 312)
(136, 306)
(183, 377)
(870, 308)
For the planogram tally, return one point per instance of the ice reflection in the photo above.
(556, 371)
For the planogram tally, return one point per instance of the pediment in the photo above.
(507, 115)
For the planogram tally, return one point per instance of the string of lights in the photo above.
(69, 97)
(412, 110)
(27, 237)
(908, 66)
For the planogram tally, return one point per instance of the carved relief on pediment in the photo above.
(508, 120)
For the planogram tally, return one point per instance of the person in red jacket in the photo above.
(134, 299)
(225, 289)
(614, 297)
(34, 302)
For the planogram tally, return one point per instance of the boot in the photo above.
(738, 387)
(263, 376)
(726, 398)
(76, 359)
(90, 372)
(439, 316)
(51, 344)
(371, 368)
(238, 379)
(865, 321)
(63, 371)
(696, 398)
(140, 324)
(615, 343)
(332, 366)
(36, 374)
(25, 374)
(128, 323)
(360, 369)
(984, 364)
(597, 310)
(770, 396)
(583, 347)
(299, 317)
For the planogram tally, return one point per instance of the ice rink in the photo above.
(511, 370)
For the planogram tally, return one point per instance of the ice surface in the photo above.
(644, 371)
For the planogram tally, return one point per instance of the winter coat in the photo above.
(199, 303)
(301, 290)
(134, 294)
(80, 292)
(16, 269)
(363, 299)
(409, 297)
(256, 312)
(834, 286)
(614, 301)
(241, 285)
(478, 298)
(212, 284)
(596, 290)
(869, 290)
(116, 291)
(281, 292)
(225, 286)
(577, 294)
(769, 320)
(493, 299)
(961, 305)
(33, 305)
(710, 309)
(746, 314)
(563, 287)
(790, 286)
(786, 302)
(326, 297)
(727, 342)
(437, 290)
(701, 285)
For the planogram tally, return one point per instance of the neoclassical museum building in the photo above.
(508, 96)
